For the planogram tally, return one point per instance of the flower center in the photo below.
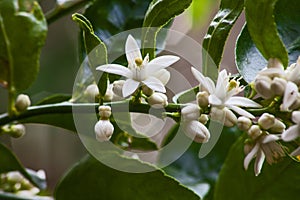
(232, 85)
(138, 62)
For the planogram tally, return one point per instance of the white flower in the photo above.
(222, 94)
(264, 148)
(290, 96)
(293, 131)
(196, 131)
(140, 71)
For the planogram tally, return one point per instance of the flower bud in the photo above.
(244, 123)
(203, 119)
(202, 99)
(163, 75)
(224, 115)
(146, 90)
(118, 87)
(278, 127)
(293, 72)
(103, 130)
(266, 121)
(91, 92)
(296, 104)
(158, 100)
(254, 132)
(109, 95)
(22, 102)
(17, 130)
(274, 63)
(104, 112)
(190, 112)
(14, 176)
(278, 86)
(262, 86)
(196, 131)
(230, 119)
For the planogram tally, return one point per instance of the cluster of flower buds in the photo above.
(262, 142)
(104, 128)
(14, 130)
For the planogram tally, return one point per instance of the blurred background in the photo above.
(54, 149)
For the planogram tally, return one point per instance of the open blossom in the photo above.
(141, 71)
(293, 131)
(222, 95)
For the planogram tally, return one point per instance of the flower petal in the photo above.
(240, 111)
(129, 87)
(242, 101)
(296, 117)
(259, 161)
(154, 84)
(291, 133)
(203, 80)
(290, 95)
(250, 156)
(221, 85)
(296, 152)
(161, 62)
(115, 69)
(163, 75)
(132, 50)
(214, 100)
(270, 138)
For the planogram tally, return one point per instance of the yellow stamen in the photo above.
(232, 84)
(298, 157)
(138, 61)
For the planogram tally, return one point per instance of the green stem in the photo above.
(60, 11)
(11, 88)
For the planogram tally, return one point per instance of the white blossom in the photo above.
(196, 131)
(140, 71)
(293, 131)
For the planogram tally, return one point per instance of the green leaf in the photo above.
(95, 49)
(186, 96)
(200, 174)
(102, 182)
(275, 182)
(250, 61)
(156, 17)
(23, 32)
(9, 162)
(55, 98)
(215, 38)
(263, 31)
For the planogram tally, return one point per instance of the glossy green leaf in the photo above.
(55, 98)
(156, 17)
(275, 182)
(9, 162)
(20, 49)
(186, 96)
(102, 182)
(263, 31)
(200, 175)
(250, 61)
(215, 38)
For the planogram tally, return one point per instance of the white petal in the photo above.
(221, 85)
(290, 95)
(296, 152)
(203, 80)
(129, 87)
(154, 84)
(164, 61)
(259, 161)
(210, 85)
(240, 111)
(214, 100)
(270, 138)
(296, 117)
(242, 101)
(250, 156)
(132, 50)
(163, 75)
(115, 69)
(291, 133)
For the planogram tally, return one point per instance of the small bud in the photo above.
(278, 86)
(109, 95)
(118, 87)
(163, 75)
(254, 132)
(224, 115)
(91, 92)
(190, 112)
(103, 130)
(274, 63)
(147, 91)
(196, 131)
(202, 99)
(14, 177)
(17, 130)
(293, 72)
(262, 86)
(22, 102)
(296, 104)
(104, 112)
(158, 100)
(244, 123)
(278, 127)
(230, 119)
(203, 119)
(266, 121)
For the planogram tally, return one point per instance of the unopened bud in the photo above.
(109, 95)
(266, 121)
(118, 87)
(22, 102)
(254, 132)
(158, 100)
(17, 130)
(244, 123)
(163, 75)
(296, 104)
(203, 118)
(293, 72)
(196, 131)
(190, 112)
(274, 63)
(103, 130)
(14, 176)
(104, 112)
(278, 127)
(146, 90)
(262, 86)
(278, 86)
(230, 119)
(202, 99)
(91, 92)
